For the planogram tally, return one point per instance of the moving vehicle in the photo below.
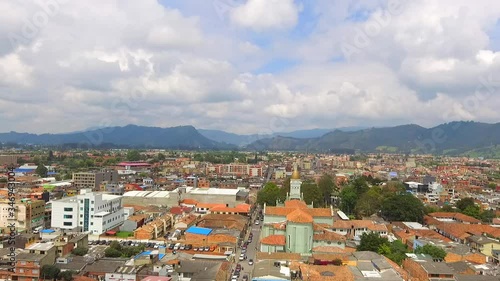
(257, 222)
(250, 261)
(242, 257)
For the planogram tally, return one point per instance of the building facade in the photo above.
(88, 212)
(28, 214)
(94, 179)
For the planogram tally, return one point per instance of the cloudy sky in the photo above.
(247, 66)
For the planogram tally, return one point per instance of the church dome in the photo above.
(295, 175)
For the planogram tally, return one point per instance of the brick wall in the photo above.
(415, 270)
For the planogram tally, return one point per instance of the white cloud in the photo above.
(266, 14)
(86, 69)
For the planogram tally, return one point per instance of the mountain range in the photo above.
(451, 138)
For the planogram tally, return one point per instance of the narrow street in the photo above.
(251, 250)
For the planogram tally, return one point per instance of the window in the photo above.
(35, 271)
(21, 270)
(68, 209)
(68, 216)
(67, 223)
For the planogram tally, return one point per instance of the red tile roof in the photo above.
(299, 216)
(277, 240)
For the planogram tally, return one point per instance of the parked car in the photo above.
(206, 248)
(189, 247)
(171, 246)
(182, 247)
(103, 242)
(245, 278)
(195, 249)
(243, 251)
(256, 222)
(250, 261)
(242, 257)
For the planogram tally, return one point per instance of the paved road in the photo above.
(252, 248)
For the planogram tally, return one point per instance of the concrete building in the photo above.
(28, 214)
(89, 211)
(229, 197)
(8, 159)
(94, 179)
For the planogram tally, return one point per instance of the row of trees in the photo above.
(396, 250)
(115, 250)
(51, 272)
(361, 199)
(467, 206)
(317, 193)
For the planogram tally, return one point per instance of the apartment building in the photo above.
(88, 212)
(28, 214)
(94, 179)
(29, 263)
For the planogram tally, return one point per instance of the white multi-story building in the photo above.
(88, 212)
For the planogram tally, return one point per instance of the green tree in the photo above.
(492, 185)
(50, 272)
(431, 250)
(161, 156)
(327, 187)
(116, 245)
(463, 203)
(448, 208)
(403, 207)
(487, 216)
(348, 200)
(80, 251)
(41, 170)
(360, 185)
(133, 155)
(67, 275)
(112, 253)
(312, 194)
(398, 252)
(371, 241)
(472, 211)
(268, 194)
(369, 203)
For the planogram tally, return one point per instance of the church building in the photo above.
(295, 227)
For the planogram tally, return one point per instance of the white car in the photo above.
(256, 222)
(242, 257)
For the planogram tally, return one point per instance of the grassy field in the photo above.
(124, 234)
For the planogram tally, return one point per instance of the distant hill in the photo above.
(242, 140)
(451, 138)
(182, 137)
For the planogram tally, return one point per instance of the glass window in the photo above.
(68, 209)
(67, 223)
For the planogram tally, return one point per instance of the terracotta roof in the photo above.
(329, 236)
(457, 216)
(189, 201)
(278, 256)
(296, 204)
(324, 272)
(371, 225)
(278, 240)
(299, 216)
(284, 211)
(209, 205)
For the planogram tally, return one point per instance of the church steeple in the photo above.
(295, 184)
